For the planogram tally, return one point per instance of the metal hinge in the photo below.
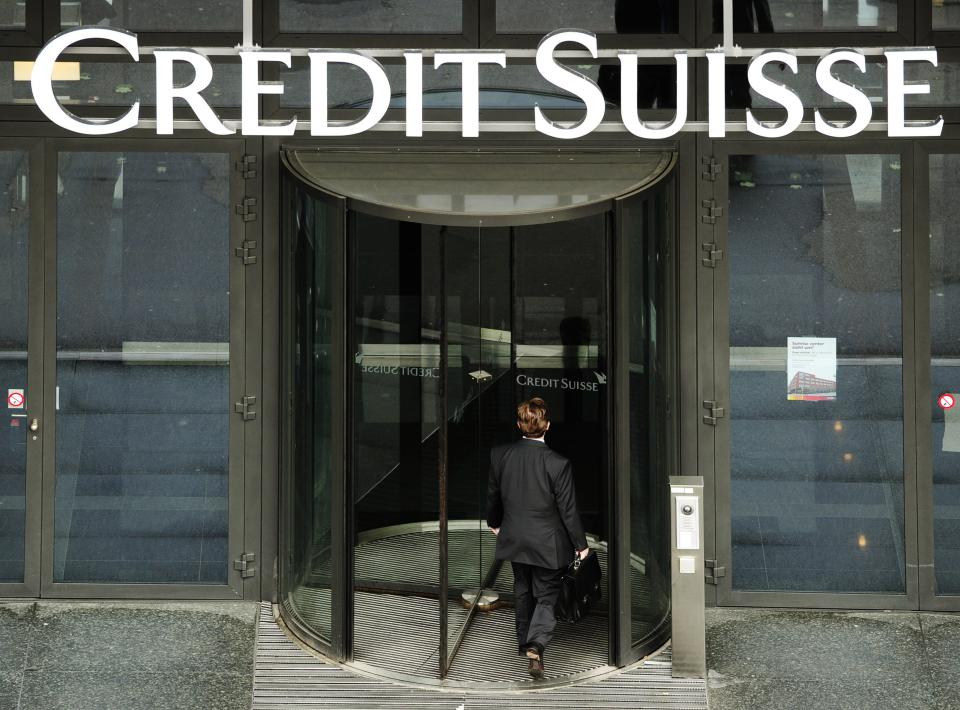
(713, 254)
(245, 407)
(711, 211)
(713, 572)
(245, 209)
(716, 412)
(246, 166)
(245, 252)
(244, 564)
(711, 168)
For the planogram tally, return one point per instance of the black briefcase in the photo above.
(579, 588)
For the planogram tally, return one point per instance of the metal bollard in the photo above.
(686, 566)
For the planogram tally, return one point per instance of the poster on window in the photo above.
(812, 369)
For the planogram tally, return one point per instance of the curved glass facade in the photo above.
(402, 371)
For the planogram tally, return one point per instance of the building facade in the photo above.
(272, 366)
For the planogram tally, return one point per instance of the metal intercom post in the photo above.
(686, 562)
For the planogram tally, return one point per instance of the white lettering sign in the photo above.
(561, 75)
(41, 80)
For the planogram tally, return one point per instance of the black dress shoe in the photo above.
(535, 667)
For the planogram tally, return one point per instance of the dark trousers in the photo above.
(536, 590)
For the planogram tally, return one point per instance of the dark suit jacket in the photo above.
(530, 497)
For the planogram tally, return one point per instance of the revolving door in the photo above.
(424, 296)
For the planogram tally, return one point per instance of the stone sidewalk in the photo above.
(126, 656)
(761, 659)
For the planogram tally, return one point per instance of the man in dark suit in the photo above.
(532, 508)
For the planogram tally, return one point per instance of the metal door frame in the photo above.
(243, 435)
(715, 311)
(929, 599)
(30, 586)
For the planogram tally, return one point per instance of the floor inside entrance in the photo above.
(398, 633)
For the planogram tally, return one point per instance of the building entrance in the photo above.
(410, 336)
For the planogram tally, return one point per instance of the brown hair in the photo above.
(532, 417)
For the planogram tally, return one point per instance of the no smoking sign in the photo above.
(15, 399)
(947, 401)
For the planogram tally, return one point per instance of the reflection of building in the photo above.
(808, 383)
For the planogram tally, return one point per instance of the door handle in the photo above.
(34, 425)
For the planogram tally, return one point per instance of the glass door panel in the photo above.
(311, 584)
(21, 397)
(944, 304)
(644, 314)
(560, 347)
(396, 404)
(645, 234)
(815, 358)
(477, 328)
(143, 376)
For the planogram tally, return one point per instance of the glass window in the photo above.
(946, 15)
(110, 83)
(147, 16)
(14, 233)
(371, 16)
(944, 372)
(765, 16)
(13, 14)
(142, 367)
(816, 461)
(600, 16)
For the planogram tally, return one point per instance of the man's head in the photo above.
(532, 417)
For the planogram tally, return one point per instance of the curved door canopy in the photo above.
(409, 337)
(479, 188)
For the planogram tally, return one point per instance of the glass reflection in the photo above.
(13, 14)
(946, 15)
(816, 506)
(145, 16)
(371, 16)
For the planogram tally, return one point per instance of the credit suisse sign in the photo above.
(563, 77)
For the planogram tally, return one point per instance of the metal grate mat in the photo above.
(286, 676)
